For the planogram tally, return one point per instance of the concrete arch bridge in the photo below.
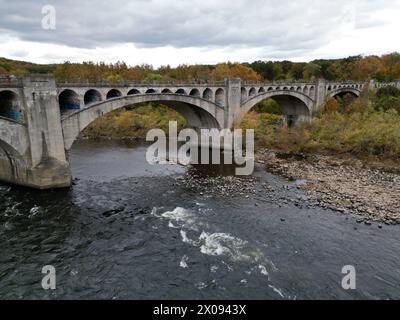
(40, 119)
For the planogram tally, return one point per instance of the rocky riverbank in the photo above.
(343, 184)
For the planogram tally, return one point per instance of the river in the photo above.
(129, 230)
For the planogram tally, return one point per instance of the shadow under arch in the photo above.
(341, 92)
(10, 105)
(296, 106)
(198, 112)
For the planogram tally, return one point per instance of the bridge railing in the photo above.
(278, 82)
(6, 82)
(87, 83)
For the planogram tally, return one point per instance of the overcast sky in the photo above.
(161, 32)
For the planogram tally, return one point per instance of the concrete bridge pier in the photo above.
(233, 101)
(45, 159)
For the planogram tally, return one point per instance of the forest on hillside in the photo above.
(381, 68)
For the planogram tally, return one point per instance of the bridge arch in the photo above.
(166, 90)
(220, 97)
(181, 91)
(243, 94)
(208, 94)
(10, 106)
(91, 96)
(69, 100)
(113, 93)
(341, 91)
(198, 112)
(194, 92)
(133, 91)
(296, 105)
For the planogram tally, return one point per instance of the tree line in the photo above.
(381, 68)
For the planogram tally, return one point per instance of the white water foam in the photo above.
(263, 270)
(276, 290)
(183, 263)
(219, 243)
(186, 239)
(186, 218)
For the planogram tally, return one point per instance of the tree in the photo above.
(312, 71)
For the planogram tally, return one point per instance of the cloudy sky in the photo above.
(160, 32)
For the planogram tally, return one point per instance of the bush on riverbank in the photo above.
(365, 127)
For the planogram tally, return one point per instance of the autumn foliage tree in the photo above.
(361, 68)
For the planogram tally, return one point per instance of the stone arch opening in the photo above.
(342, 93)
(69, 100)
(133, 91)
(181, 91)
(194, 92)
(197, 112)
(261, 90)
(243, 94)
(92, 96)
(294, 107)
(220, 97)
(294, 110)
(208, 94)
(150, 91)
(252, 92)
(113, 93)
(10, 106)
(166, 91)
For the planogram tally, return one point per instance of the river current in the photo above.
(129, 230)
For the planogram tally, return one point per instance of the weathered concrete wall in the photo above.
(36, 154)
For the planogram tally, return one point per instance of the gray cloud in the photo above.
(279, 25)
